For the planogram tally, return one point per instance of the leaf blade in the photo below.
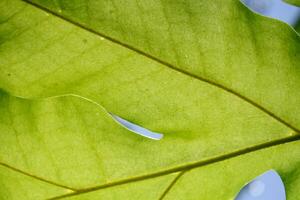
(207, 51)
(204, 117)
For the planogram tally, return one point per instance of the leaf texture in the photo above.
(216, 181)
(233, 48)
(223, 88)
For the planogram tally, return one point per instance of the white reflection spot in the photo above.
(138, 129)
(256, 188)
(267, 186)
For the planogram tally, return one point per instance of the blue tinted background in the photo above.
(276, 9)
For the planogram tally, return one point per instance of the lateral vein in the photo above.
(186, 167)
(169, 65)
(37, 177)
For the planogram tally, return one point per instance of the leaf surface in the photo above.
(216, 181)
(297, 27)
(15, 185)
(216, 94)
(294, 2)
(233, 47)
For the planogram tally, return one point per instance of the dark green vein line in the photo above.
(158, 60)
(12, 16)
(36, 177)
(168, 189)
(185, 167)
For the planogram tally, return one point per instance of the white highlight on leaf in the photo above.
(267, 186)
(138, 129)
(256, 188)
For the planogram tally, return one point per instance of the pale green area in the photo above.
(76, 143)
(219, 40)
(143, 190)
(16, 186)
(294, 2)
(73, 141)
(224, 179)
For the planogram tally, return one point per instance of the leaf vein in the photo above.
(168, 189)
(171, 66)
(185, 167)
(37, 177)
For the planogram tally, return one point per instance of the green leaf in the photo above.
(237, 61)
(218, 86)
(221, 180)
(294, 2)
(15, 184)
(297, 27)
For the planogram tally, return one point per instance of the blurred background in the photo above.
(276, 9)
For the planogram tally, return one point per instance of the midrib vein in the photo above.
(184, 168)
(36, 177)
(169, 65)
